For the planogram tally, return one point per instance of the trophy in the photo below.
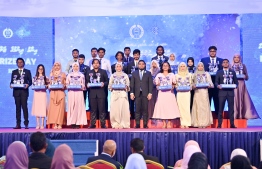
(201, 81)
(164, 84)
(94, 82)
(38, 84)
(183, 85)
(56, 84)
(16, 82)
(228, 81)
(119, 83)
(213, 68)
(132, 70)
(74, 83)
(239, 71)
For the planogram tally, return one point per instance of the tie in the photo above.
(127, 59)
(141, 74)
(135, 64)
(20, 71)
(213, 61)
(160, 60)
(101, 63)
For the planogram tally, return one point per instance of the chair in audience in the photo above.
(101, 164)
(153, 165)
(84, 167)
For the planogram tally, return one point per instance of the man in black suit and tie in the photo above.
(137, 146)
(84, 69)
(213, 92)
(21, 94)
(109, 150)
(97, 94)
(127, 57)
(141, 91)
(160, 57)
(225, 94)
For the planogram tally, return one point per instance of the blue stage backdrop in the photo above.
(184, 35)
(32, 39)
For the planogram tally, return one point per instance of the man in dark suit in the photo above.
(141, 91)
(213, 92)
(83, 69)
(225, 94)
(97, 94)
(160, 57)
(21, 94)
(137, 146)
(109, 150)
(119, 58)
(127, 57)
(38, 159)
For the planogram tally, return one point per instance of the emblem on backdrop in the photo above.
(8, 33)
(136, 31)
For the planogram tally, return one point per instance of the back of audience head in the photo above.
(188, 152)
(109, 147)
(198, 161)
(63, 158)
(38, 142)
(50, 150)
(137, 145)
(16, 156)
(240, 162)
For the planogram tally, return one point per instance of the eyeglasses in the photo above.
(212, 51)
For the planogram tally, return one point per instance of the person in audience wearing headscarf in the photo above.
(183, 97)
(76, 113)
(56, 108)
(135, 161)
(201, 111)
(16, 156)
(236, 152)
(63, 158)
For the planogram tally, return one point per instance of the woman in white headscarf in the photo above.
(135, 161)
(183, 97)
(234, 153)
(76, 114)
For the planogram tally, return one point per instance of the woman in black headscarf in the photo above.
(191, 69)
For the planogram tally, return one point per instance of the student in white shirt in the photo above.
(75, 54)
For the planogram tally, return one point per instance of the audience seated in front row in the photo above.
(38, 159)
(135, 161)
(137, 146)
(198, 161)
(240, 162)
(109, 150)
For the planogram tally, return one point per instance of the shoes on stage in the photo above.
(77, 126)
(233, 127)
(37, 127)
(73, 126)
(145, 127)
(219, 126)
(103, 127)
(59, 127)
(137, 126)
(42, 127)
(92, 127)
(17, 127)
(26, 127)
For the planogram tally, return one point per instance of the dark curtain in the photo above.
(168, 146)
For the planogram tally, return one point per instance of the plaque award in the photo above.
(183, 85)
(94, 82)
(74, 83)
(201, 81)
(164, 84)
(239, 71)
(38, 84)
(119, 83)
(56, 83)
(18, 83)
(228, 81)
(213, 68)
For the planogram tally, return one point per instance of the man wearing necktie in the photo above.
(225, 94)
(75, 54)
(141, 87)
(21, 94)
(127, 57)
(213, 59)
(160, 57)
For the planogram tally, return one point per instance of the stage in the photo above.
(167, 144)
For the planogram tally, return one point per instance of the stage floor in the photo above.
(86, 130)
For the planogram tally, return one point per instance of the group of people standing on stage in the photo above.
(141, 97)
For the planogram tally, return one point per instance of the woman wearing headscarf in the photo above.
(119, 107)
(191, 69)
(63, 158)
(135, 161)
(76, 114)
(166, 107)
(56, 109)
(236, 152)
(243, 105)
(183, 97)
(201, 112)
(16, 156)
(154, 69)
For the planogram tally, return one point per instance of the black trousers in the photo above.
(213, 93)
(98, 105)
(21, 102)
(191, 99)
(141, 109)
(222, 101)
(131, 106)
(84, 93)
(106, 102)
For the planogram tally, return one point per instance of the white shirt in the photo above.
(88, 62)
(69, 65)
(106, 65)
(106, 154)
(22, 70)
(215, 59)
(136, 63)
(162, 57)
